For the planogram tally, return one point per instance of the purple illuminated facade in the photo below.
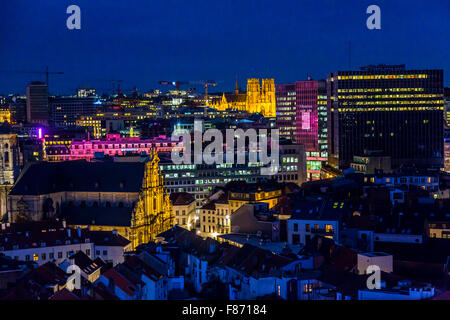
(302, 118)
(113, 145)
(306, 115)
(301, 113)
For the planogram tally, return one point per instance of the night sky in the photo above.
(143, 41)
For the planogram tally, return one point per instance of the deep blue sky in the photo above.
(143, 41)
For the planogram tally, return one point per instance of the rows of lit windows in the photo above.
(384, 76)
(380, 89)
(385, 96)
(388, 109)
(286, 98)
(363, 103)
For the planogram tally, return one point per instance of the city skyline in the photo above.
(198, 152)
(142, 44)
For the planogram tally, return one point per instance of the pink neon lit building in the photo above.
(302, 118)
(114, 145)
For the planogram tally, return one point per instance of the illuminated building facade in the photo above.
(387, 109)
(302, 118)
(5, 115)
(86, 92)
(9, 166)
(260, 98)
(447, 155)
(125, 196)
(447, 107)
(286, 106)
(103, 123)
(201, 179)
(183, 205)
(65, 111)
(214, 218)
(113, 145)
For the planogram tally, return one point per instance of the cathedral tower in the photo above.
(253, 95)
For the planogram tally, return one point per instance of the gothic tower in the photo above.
(253, 95)
(153, 213)
(268, 104)
(9, 166)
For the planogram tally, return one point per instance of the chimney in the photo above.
(64, 224)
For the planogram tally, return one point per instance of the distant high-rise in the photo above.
(65, 111)
(286, 107)
(302, 118)
(447, 107)
(37, 103)
(388, 110)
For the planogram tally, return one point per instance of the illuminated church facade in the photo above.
(128, 197)
(259, 98)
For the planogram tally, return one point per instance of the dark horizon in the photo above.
(190, 41)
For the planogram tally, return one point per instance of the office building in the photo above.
(302, 118)
(389, 110)
(64, 111)
(201, 179)
(37, 103)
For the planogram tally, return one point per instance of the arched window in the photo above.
(120, 204)
(108, 204)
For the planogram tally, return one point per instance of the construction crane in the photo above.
(204, 83)
(46, 72)
(207, 83)
(113, 84)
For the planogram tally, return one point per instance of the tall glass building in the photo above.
(302, 118)
(386, 110)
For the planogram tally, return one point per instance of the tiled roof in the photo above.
(84, 262)
(58, 237)
(181, 198)
(50, 177)
(253, 260)
(121, 282)
(102, 216)
(64, 294)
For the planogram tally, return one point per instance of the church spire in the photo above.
(236, 90)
